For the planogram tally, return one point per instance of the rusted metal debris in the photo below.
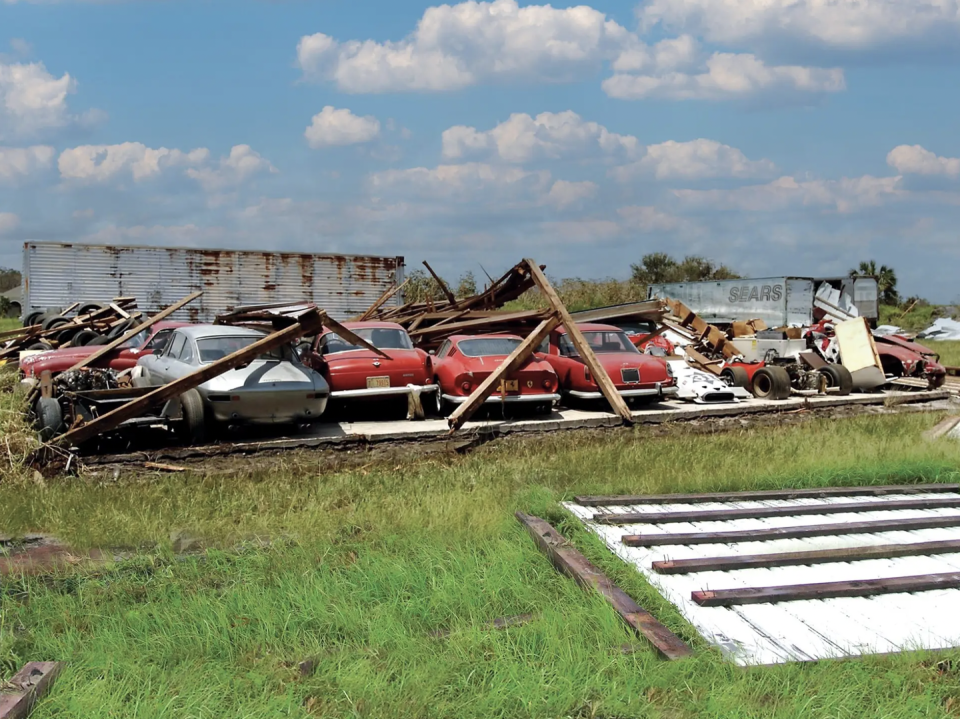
(26, 687)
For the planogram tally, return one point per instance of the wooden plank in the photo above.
(451, 298)
(480, 322)
(795, 559)
(724, 515)
(27, 687)
(307, 323)
(568, 560)
(811, 530)
(383, 298)
(526, 348)
(600, 375)
(119, 310)
(703, 363)
(763, 494)
(826, 590)
(90, 359)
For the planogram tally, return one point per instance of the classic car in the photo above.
(356, 373)
(902, 357)
(123, 357)
(462, 362)
(638, 377)
(274, 388)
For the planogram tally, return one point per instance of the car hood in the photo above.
(263, 372)
(490, 363)
(365, 358)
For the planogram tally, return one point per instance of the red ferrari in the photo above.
(356, 373)
(152, 339)
(637, 376)
(462, 362)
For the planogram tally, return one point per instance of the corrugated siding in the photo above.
(345, 285)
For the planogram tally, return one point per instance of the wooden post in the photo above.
(308, 322)
(443, 287)
(600, 375)
(383, 298)
(87, 361)
(27, 686)
(516, 358)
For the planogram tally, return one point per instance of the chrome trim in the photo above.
(383, 391)
(513, 398)
(658, 391)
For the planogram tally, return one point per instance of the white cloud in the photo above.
(725, 76)
(32, 100)
(696, 159)
(100, 163)
(648, 219)
(844, 195)
(460, 180)
(240, 165)
(852, 24)
(549, 135)
(454, 46)
(21, 162)
(331, 127)
(563, 194)
(177, 235)
(917, 160)
(8, 222)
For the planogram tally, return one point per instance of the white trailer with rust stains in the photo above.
(57, 274)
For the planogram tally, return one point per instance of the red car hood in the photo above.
(68, 357)
(408, 358)
(651, 369)
(490, 363)
(904, 343)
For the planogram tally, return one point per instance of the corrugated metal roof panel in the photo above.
(58, 274)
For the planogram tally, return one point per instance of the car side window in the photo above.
(158, 342)
(186, 354)
(175, 346)
(566, 347)
(544, 347)
(444, 350)
(332, 342)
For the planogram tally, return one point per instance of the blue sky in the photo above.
(782, 137)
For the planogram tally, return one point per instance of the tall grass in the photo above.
(578, 294)
(949, 351)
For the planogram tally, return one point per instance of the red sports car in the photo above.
(153, 339)
(637, 376)
(463, 362)
(354, 372)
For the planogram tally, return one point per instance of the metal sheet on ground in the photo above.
(802, 630)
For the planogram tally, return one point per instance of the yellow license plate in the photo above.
(378, 382)
(513, 385)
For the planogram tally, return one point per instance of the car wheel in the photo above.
(771, 383)
(838, 376)
(937, 381)
(439, 404)
(192, 428)
(49, 418)
(735, 377)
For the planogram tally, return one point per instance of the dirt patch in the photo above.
(40, 554)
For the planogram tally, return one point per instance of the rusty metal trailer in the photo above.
(57, 274)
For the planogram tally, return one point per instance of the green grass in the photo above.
(368, 559)
(949, 351)
(8, 324)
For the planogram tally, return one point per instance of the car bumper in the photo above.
(383, 391)
(260, 412)
(657, 391)
(511, 399)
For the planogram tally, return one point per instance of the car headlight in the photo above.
(669, 370)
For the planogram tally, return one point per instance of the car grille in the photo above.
(630, 376)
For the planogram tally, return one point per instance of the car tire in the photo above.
(54, 322)
(49, 418)
(88, 307)
(838, 376)
(67, 335)
(736, 377)
(121, 328)
(84, 338)
(42, 345)
(100, 340)
(771, 383)
(30, 319)
(192, 428)
(937, 382)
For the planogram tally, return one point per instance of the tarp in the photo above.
(942, 329)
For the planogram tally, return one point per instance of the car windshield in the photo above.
(602, 342)
(488, 346)
(214, 348)
(384, 338)
(137, 340)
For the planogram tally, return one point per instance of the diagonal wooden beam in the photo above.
(600, 375)
(352, 337)
(443, 285)
(26, 687)
(516, 358)
(383, 298)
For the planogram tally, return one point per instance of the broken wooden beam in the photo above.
(352, 337)
(381, 300)
(810, 530)
(826, 590)
(516, 358)
(27, 687)
(763, 495)
(90, 359)
(568, 560)
(599, 374)
(799, 559)
(307, 323)
(725, 515)
(451, 298)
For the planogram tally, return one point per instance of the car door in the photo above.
(165, 366)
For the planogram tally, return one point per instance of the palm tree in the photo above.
(886, 280)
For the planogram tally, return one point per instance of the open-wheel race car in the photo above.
(463, 361)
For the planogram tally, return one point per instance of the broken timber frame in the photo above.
(307, 323)
(568, 560)
(443, 286)
(28, 686)
(382, 299)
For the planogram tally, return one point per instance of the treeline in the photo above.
(9, 279)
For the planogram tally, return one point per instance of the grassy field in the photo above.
(949, 351)
(365, 561)
(7, 323)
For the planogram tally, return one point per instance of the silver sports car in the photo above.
(274, 388)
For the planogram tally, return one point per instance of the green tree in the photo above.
(659, 267)
(9, 279)
(421, 287)
(886, 280)
(466, 286)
